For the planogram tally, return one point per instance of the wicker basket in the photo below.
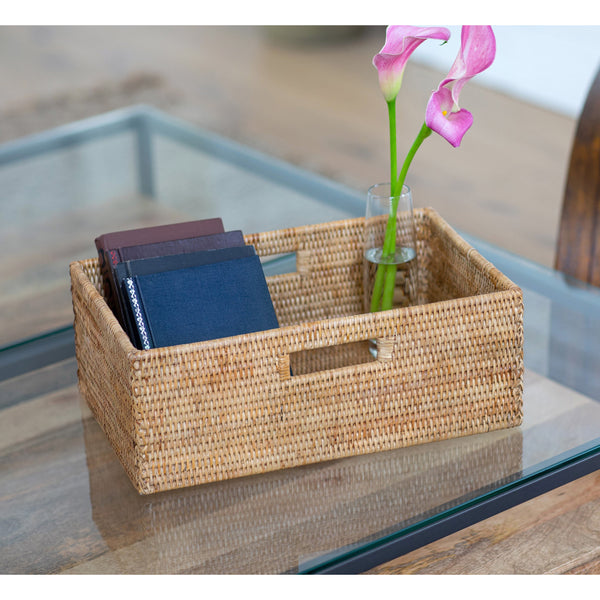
(184, 415)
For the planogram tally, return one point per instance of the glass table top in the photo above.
(67, 504)
(127, 169)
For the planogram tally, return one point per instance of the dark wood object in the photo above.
(578, 247)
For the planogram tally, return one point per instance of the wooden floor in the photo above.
(557, 533)
(320, 107)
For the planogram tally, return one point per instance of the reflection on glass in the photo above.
(285, 520)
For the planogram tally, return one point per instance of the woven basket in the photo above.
(184, 415)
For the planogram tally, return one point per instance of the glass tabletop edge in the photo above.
(361, 559)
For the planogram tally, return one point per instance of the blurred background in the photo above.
(310, 96)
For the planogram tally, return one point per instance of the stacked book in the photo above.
(183, 283)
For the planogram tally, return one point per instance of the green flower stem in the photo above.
(393, 147)
(381, 273)
(386, 274)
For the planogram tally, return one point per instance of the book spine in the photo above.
(138, 314)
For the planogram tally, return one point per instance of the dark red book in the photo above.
(159, 233)
(216, 241)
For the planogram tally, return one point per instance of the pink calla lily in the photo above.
(441, 118)
(400, 42)
(443, 114)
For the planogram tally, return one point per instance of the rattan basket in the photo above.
(184, 415)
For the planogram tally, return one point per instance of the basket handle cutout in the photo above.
(300, 262)
(329, 358)
(280, 264)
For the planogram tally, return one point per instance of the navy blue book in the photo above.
(146, 266)
(166, 248)
(200, 303)
(156, 264)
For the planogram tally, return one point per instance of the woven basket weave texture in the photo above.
(184, 415)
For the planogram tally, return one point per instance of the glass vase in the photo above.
(390, 265)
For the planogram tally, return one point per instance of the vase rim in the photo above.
(375, 190)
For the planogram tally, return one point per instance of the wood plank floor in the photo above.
(558, 532)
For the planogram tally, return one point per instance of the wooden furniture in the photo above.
(69, 507)
(578, 247)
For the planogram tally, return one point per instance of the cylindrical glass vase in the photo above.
(390, 266)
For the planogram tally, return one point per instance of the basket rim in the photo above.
(374, 321)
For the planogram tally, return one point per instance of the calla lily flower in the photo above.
(443, 114)
(442, 117)
(400, 42)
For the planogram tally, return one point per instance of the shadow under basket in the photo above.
(310, 391)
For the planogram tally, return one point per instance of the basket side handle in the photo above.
(384, 327)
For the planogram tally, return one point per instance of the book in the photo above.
(200, 303)
(112, 241)
(170, 262)
(159, 233)
(179, 246)
(145, 266)
(215, 241)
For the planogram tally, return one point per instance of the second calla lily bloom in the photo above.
(400, 42)
(443, 115)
